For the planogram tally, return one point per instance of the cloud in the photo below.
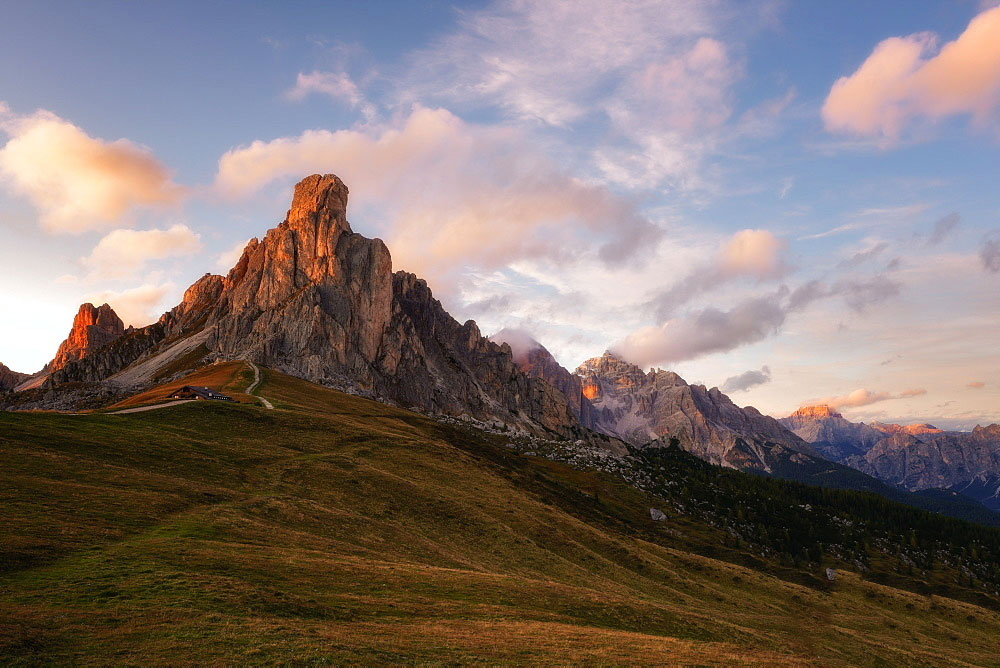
(227, 259)
(520, 341)
(704, 332)
(867, 218)
(976, 385)
(660, 75)
(746, 380)
(989, 253)
(711, 330)
(908, 78)
(755, 254)
(123, 252)
(668, 113)
(338, 86)
(863, 256)
(553, 62)
(942, 228)
(76, 181)
(136, 306)
(865, 397)
(860, 294)
(452, 193)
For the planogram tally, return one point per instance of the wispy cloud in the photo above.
(989, 252)
(865, 397)
(338, 86)
(943, 227)
(753, 254)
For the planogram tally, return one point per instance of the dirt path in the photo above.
(143, 409)
(254, 384)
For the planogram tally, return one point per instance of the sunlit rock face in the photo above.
(816, 412)
(920, 430)
(653, 408)
(93, 328)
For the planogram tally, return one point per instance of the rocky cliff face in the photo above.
(834, 436)
(93, 328)
(10, 379)
(644, 408)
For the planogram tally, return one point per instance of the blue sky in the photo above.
(704, 186)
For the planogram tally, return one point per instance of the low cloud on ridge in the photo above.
(747, 380)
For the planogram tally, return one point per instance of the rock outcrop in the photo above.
(10, 379)
(920, 430)
(93, 328)
(655, 407)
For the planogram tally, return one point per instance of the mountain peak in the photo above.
(93, 328)
(816, 412)
(319, 204)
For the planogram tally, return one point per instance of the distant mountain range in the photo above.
(319, 301)
(915, 457)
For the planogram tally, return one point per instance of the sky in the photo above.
(796, 202)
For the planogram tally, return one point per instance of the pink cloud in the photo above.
(866, 397)
(79, 182)
(904, 79)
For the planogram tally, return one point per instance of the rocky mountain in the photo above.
(947, 460)
(317, 300)
(655, 407)
(10, 379)
(919, 430)
(94, 327)
(830, 433)
(915, 457)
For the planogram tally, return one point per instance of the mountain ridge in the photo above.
(916, 457)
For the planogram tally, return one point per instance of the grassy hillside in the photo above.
(337, 530)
